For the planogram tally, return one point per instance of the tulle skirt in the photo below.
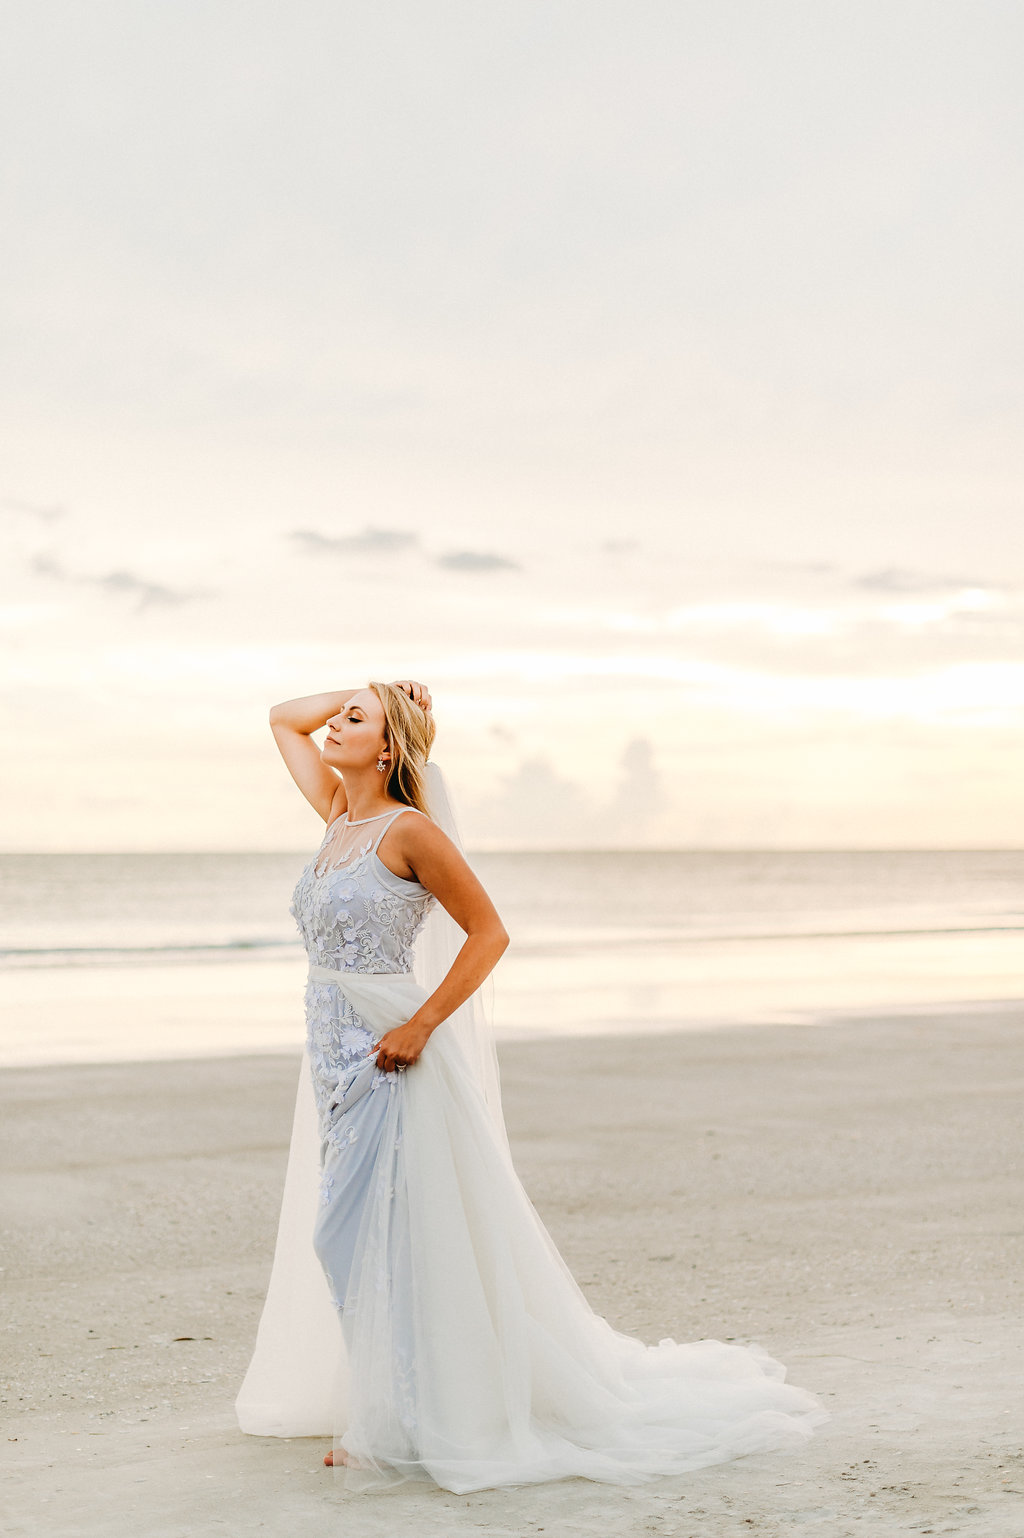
(441, 1336)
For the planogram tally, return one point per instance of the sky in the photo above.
(645, 378)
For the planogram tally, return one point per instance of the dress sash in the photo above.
(383, 1000)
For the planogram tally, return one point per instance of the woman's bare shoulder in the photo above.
(420, 833)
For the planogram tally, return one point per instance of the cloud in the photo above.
(369, 542)
(48, 566)
(476, 560)
(149, 594)
(534, 806)
(639, 796)
(538, 806)
(899, 579)
(816, 568)
(374, 541)
(48, 513)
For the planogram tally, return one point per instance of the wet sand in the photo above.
(848, 1195)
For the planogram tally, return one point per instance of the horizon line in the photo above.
(501, 848)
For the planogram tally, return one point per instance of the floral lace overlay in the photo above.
(354, 915)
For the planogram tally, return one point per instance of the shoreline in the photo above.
(847, 1198)
(159, 1011)
(809, 1019)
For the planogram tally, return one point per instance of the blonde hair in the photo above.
(409, 730)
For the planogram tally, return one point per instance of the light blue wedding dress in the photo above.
(441, 1336)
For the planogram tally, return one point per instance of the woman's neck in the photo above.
(365, 799)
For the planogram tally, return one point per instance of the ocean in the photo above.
(112, 956)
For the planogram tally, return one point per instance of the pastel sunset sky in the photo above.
(646, 378)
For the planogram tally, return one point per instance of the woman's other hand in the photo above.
(401, 1047)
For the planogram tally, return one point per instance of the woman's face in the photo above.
(355, 736)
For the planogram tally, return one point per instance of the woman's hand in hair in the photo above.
(418, 693)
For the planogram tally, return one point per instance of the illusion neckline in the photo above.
(355, 822)
(368, 854)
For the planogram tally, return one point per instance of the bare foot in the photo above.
(339, 1455)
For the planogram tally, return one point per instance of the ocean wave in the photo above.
(525, 943)
(174, 952)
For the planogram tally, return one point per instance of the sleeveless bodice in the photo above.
(354, 915)
(352, 912)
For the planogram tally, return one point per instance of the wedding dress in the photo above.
(418, 1311)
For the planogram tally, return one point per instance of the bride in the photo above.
(418, 1312)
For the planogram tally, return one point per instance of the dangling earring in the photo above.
(381, 766)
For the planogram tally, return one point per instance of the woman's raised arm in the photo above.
(293, 723)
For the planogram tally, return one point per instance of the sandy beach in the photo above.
(848, 1195)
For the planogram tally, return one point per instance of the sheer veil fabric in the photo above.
(467, 1354)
